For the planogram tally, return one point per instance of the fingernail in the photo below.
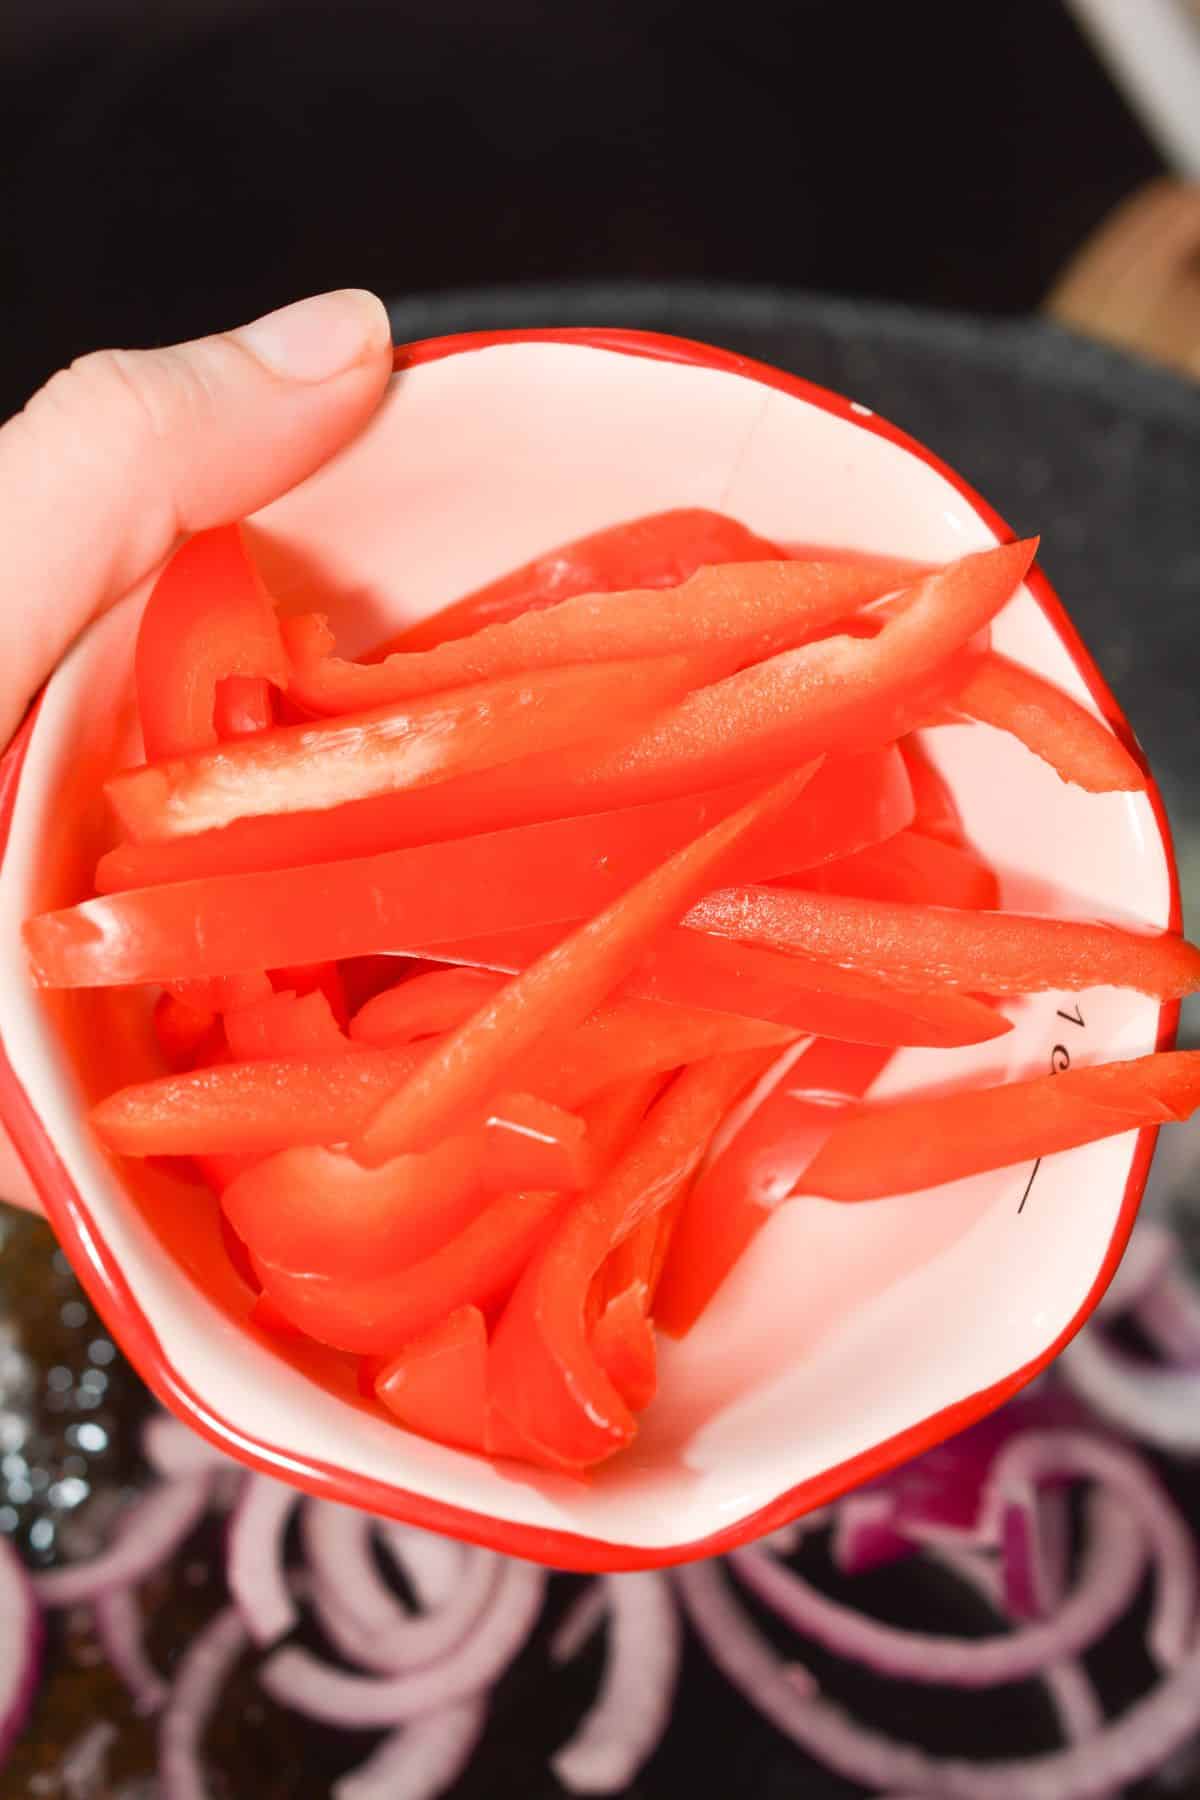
(313, 340)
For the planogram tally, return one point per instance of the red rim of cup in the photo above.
(106, 1286)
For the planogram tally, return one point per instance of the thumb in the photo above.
(124, 450)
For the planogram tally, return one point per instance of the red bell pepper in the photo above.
(220, 1170)
(284, 1025)
(935, 813)
(559, 990)
(375, 1316)
(532, 1143)
(920, 946)
(758, 1167)
(622, 1342)
(839, 694)
(907, 867)
(243, 704)
(303, 768)
(1077, 745)
(657, 551)
(690, 968)
(318, 977)
(921, 1142)
(424, 1005)
(220, 993)
(186, 1034)
(544, 1376)
(725, 616)
(208, 618)
(437, 1385)
(252, 1106)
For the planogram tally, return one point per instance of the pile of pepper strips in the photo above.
(467, 950)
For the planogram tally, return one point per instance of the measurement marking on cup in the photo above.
(1060, 1061)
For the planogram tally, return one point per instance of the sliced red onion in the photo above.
(1160, 1406)
(633, 1707)
(151, 1531)
(20, 1645)
(1108, 1581)
(1038, 1456)
(431, 1564)
(84, 1766)
(119, 1626)
(1169, 1314)
(254, 1566)
(1034, 1546)
(585, 1615)
(1148, 1254)
(203, 1672)
(864, 1536)
(296, 1678)
(1123, 1752)
(421, 1760)
(410, 1642)
(171, 1448)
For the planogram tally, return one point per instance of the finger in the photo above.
(118, 454)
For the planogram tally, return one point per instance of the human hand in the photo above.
(123, 452)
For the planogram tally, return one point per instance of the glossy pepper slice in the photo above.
(622, 1342)
(186, 1034)
(909, 867)
(917, 1143)
(690, 968)
(656, 551)
(544, 1375)
(317, 1212)
(732, 614)
(1078, 746)
(840, 694)
(243, 704)
(437, 1385)
(935, 813)
(558, 990)
(304, 768)
(409, 899)
(987, 952)
(208, 618)
(760, 1165)
(285, 1024)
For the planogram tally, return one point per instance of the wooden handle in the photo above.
(1136, 281)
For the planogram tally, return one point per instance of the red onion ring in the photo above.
(337, 1549)
(1161, 1406)
(206, 1666)
(117, 1616)
(296, 1678)
(633, 1707)
(585, 1615)
(20, 1646)
(1037, 1456)
(1123, 1752)
(1148, 1254)
(421, 1760)
(1169, 1315)
(1108, 1582)
(254, 1566)
(430, 1564)
(172, 1448)
(410, 1642)
(150, 1533)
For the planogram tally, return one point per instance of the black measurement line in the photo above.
(1072, 1018)
(1028, 1185)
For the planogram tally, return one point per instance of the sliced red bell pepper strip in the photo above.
(186, 1034)
(625, 1038)
(318, 977)
(919, 946)
(220, 1170)
(207, 618)
(907, 867)
(239, 1256)
(917, 1143)
(544, 1376)
(726, 615)
(935, 812)
(252, 1106)
(267, 1316)
(284, 1025)
(559, 990)
(657, 551)
(839, 694)
(304, 768)
(424, 1005)
(760, 1165)
(622, 1342)
(853, 801)
(377, 1315)
(437, 1385)
(689, 968)
(220, 993)
(1077, 745)
(243, 704)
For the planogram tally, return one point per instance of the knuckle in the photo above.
(144, 397)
